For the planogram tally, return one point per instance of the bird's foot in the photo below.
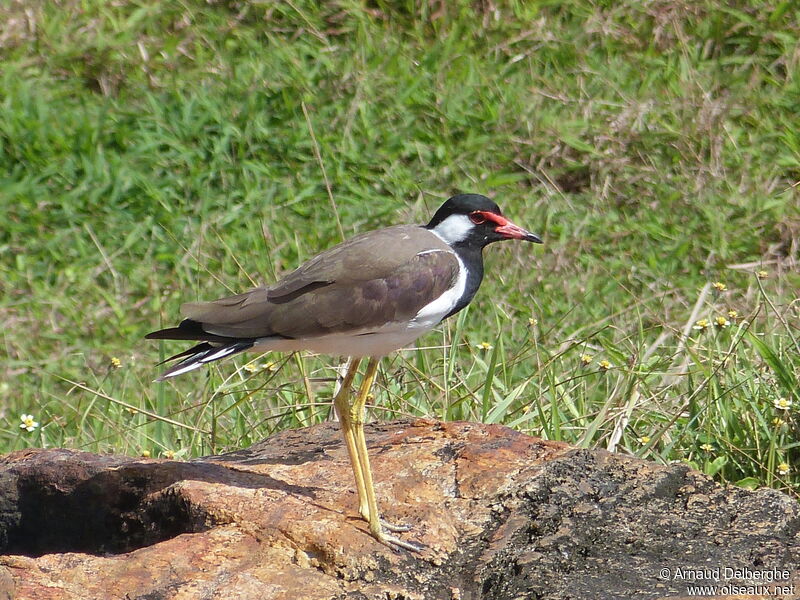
(379, 532)
(395, 528)
(396, 543)
(384, 523)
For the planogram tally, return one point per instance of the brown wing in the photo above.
(370, 280)
(355, 259)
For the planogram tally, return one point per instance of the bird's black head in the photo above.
(474, 220)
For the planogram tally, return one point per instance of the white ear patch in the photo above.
(454, 229)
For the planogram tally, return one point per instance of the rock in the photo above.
(502, 516)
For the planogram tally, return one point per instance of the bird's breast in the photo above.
(436, 310)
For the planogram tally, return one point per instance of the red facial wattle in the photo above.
(504, 227)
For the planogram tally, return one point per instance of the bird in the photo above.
(366, 297)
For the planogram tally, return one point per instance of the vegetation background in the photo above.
(159, 152)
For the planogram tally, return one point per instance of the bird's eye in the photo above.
(477, 218)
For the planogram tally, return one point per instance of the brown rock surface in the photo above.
(502, 516)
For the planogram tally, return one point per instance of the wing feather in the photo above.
(340, 290)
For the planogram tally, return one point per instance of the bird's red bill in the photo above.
(508, 229)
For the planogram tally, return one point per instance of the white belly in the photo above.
(377, 343)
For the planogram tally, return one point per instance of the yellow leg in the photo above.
(376, 525)
(342, 403)
(357, 421)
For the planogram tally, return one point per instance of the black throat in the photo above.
(471, 256)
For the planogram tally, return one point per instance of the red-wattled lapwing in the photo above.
(370, 295)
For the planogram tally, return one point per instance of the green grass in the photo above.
(154, 153)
